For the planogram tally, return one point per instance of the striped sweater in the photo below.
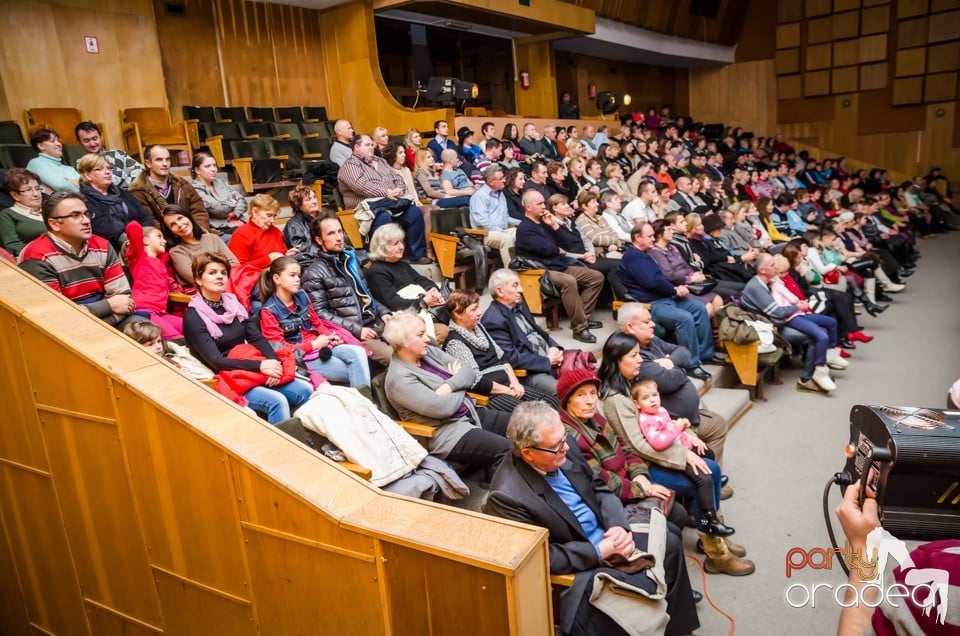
(88, 278)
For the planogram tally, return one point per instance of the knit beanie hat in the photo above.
(572, 380)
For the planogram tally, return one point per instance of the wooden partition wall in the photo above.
(134, 500)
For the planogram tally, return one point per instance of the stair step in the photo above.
(732, 404)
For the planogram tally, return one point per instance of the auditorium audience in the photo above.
(110, 208)
(224, 203)
(54, 175)
(73, 261)
(186, 240)
(471, 344)
(428, 386)
(123, 167)
(215, 324)
(288, 318)
(23, 221)
(156, 188)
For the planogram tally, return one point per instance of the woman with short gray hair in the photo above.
(426, 385)
(394, 283)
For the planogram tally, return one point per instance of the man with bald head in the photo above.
(669, 365)
(579, 287)
(341, 149)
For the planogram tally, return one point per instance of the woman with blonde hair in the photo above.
(412, 142)
(381, 137)
(109, 207)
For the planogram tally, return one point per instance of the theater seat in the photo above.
(10, 133)
(16, 155)
(142, 127)
(62, 120)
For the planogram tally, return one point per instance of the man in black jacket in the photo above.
(338, 291)
(548, 483)
(579, 287)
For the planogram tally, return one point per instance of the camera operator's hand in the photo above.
(857, 522)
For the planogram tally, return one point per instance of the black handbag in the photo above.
(703, 287)
(548, 291)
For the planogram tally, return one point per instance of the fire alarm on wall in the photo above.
(91, 44)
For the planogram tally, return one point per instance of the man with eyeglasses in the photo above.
(488, 211)
(84, 267)
(546, 482)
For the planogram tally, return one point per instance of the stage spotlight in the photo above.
(610, 101)
(447, 90)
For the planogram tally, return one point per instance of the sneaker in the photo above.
(808, 386)
(860, 336)
(821, 375)
(845, 354)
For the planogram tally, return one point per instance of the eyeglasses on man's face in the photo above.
(76, 216)
(553, 451)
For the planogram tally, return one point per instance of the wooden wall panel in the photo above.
(789, 11)
(943, 57)
(845, 5)
(137, 527)
(540, 100)
(911, 62)
(718, 95)
(790, 86)
(84, 452)
(846, 25)
(873, 48)
(192, 72)
(912, 32)
(42, 554)
(43, 61)
(817, 7)
(908, 90)
(944, 26)
(846, 52)
(873, 76)
(940, 88)
(788, 35)
(845, 79)
(819, 30)
(819, 56)
(788, 61)
(910, 8)
(816, 83)
(875, 20)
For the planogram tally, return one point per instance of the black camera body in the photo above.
(915, 455)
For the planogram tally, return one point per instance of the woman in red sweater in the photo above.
(260, 242)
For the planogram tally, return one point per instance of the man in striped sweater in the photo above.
(73, 261)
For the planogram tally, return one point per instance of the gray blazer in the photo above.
(411, 390)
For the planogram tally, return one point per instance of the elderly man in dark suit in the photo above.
(511, 325)
(547, 483)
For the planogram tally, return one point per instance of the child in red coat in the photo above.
(152, 282)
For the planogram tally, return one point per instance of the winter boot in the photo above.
(721, 561)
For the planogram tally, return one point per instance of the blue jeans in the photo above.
(687, 319)
(275, 402)
(347, 364)
(453, 202)
(684, 487)
(412, 223)
(822, 331)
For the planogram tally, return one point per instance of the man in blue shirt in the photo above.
(670, 306)
(547, 482)
(488, 211)
(440, 142)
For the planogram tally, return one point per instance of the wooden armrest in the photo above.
(563, 580)
(213, 138)
(360, 471)
(178, 297)
(520, 373)
(473, 232)
(312, 136)
(212, 382)
(280, 157)
(426, 201)
(191, 121)
(418, 430)
(311, 121)
(316, 156)
(254, 121)
(481, 400)
(279, 121)
(283, 136)
(251, 136)
(129, 127)
(224, 121)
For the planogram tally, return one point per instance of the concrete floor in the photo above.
(782, 452)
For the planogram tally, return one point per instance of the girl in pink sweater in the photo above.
(661, 432)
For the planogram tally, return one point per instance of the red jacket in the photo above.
(152, 282)
(253, 245)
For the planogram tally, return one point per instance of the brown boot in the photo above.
(735, 548)
(721, 561)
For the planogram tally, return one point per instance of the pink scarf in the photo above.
(234, 310)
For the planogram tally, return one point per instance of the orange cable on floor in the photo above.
(706, 594)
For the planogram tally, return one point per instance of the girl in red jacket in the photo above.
(152, 282)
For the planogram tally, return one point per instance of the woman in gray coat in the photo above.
(426, 385)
